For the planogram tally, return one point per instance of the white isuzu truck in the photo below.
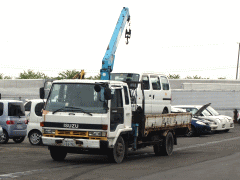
(100, 117)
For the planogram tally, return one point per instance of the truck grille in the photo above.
(71, 133)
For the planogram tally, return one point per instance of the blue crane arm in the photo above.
(108, 59)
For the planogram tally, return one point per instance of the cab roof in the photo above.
(89, 81)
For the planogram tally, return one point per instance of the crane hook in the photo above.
(127, 35)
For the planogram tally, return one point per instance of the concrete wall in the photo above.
(178, 83)
(223, 94)
(222, 101)
(21, 89)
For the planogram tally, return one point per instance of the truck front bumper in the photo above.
(69, 142)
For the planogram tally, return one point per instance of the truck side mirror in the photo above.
(107, 94)
(42, 93)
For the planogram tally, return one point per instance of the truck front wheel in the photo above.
(58, 154)
(117, 153)
(166, 148)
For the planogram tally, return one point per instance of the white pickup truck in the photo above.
(96, 117)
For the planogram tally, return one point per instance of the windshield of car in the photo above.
(191, 110)
(194, 110)
(16, 109)
(206, 113)
(73, 97)
(212, 111)
(125, 77)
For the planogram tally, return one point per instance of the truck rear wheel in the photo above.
(167, 146)
(58, 154)
(118, 152)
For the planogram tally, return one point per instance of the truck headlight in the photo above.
(48, 131)
(97, 133)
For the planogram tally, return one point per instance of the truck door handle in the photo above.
(153, 96)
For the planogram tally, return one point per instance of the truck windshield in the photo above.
(76, 98)
(124, 77)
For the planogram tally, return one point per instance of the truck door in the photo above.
(116, 111)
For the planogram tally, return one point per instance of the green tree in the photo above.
(195, 77)
(4, 77)
(7, 77)
(67, 74)
(97, 77)
(32, 75)
(173, 76)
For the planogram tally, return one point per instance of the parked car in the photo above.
(229, 123)
(224, 123)
(13, 121)
(198, 126)
(34, 130)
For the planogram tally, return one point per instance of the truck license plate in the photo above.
(68, 143)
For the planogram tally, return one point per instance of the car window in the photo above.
(16, 109)
(27, 106)
(38, 109)
(212, 111)
(145, 81)
(1, 109)
(117, 99)
(165, 83)
(206, 113)
(191, 110)
(126, 95)
(155, 82)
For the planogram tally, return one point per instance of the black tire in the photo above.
(118, 152)
(165, 111)
(18, 139)
(4, 138)
(226, 130)
(58, 154)
(35, 138)
(157, 149)
(167, 146)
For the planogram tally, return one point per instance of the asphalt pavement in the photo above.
(214, 156)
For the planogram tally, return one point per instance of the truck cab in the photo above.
(79, 109)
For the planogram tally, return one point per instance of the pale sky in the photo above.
(170, 37)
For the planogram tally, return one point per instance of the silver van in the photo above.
(13, 121)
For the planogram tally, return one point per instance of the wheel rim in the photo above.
(119, 149)
(35, 138)
(3, 137)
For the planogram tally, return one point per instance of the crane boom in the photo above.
(108, 59)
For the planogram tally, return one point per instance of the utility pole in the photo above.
(238, 61)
